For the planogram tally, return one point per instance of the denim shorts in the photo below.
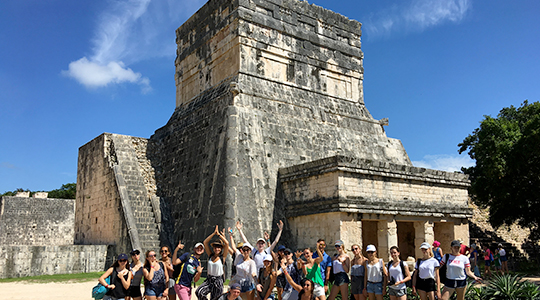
(247, 286)
(374, 288)
(397, 292)
(341, 278)
(455, 284)
(154, 291)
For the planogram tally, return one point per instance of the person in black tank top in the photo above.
(120, 278)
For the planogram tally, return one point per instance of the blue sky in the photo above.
(71, 70)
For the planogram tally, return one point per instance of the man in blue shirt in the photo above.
(190, 270)
(326, 263)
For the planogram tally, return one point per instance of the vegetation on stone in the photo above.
(506, 177)
(67, 191)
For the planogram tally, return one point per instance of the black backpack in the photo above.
(402, 266)
(442, 270)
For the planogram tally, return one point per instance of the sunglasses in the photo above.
(354, 249)
(337, 246)
(287, 253)
(163, 251)
(370, 252)
(246, 249)
(122, 260)
(151, 255)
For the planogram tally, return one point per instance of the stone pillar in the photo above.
(387, 236)
(461, 231)
(351, 230)
(423, 232)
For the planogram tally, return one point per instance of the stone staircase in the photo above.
(134, 178)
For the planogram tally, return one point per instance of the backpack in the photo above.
(402, 266)
(99, 291)
(442, 270)
(490, 256)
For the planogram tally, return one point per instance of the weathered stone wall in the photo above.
(36, 221)
(99, 216)
(261, 85)
(358, 185)
(21, 261)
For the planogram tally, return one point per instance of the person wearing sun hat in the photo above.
(190, 271)
(458, 267)
(213, 284)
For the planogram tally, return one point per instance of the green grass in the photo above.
(80, 277)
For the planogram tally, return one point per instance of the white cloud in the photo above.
(129, 31)
(415, 15)
(92, 74)
(444, 162)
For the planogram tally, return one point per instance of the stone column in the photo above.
(351, 230)
(423, 232)
(387, 236)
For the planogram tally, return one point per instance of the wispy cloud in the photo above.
(6, 165)
(444, 162)
(415, 15)
(129, 31)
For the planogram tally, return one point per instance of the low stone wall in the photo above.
(21, 261)
(36, 221)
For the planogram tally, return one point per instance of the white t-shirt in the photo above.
(395, 272)
(502, 252)
(455, 269)
(374, 272)
(426, 268)
(246, 269)
(258, 257)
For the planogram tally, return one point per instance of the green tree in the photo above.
(506, 177)
(67, 191)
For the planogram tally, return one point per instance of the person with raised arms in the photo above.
(259, 252)
(213, 284)
(190, 270)
(312, 271)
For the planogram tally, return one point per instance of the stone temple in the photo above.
(270, 123)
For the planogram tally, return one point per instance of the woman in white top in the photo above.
(426, 281)
(374, 283)
(457, 269)
(246, 271)
(341, 265)
(399, 274)
(213, 284)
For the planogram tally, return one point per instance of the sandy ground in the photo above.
(68, 290)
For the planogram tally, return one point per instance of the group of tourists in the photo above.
(301, 275)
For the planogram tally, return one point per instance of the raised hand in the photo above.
(280, 225)
(230, 230)
(298, 253)
(216, 231)
(266, 236)
(180, 245)
(238, 225)
(199, 269)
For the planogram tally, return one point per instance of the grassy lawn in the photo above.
(80, 277)
(56, 278)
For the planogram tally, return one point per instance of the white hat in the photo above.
(198, 244)
(425, 245)
(267, 257)
(371, 248)
(260, 240)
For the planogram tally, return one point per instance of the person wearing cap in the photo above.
(292, 268)
(136, 266)
(504, 259)
(190, 270)
(376, 272)
(426, 281)
(326, 263)
(213, 284)
(458, 267)
(246, 273)
(120, 278)
(341, 265)
(259, 251)
(267, 278)
(232, 294)
(357, 273)
(156, 278)
(312, 271)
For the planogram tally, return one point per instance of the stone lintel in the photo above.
(372, 168)
(410, 208)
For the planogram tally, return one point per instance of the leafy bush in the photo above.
(511, 287)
